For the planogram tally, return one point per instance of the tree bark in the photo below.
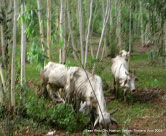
(13, 56)
(130, 29)
(49, 29)
(87, 37)
(2, 79)
(2, 43)
(71, 32)
(164, 31)
(40, 24)
(23, 52)
(81, 30)
(141, 18)
(1, 94)
(62, 33)
(118, 29)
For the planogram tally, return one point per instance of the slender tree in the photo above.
(1, 94)
(49, 28)
(62, 33)
(71, 32)
(118, 29)
(23, 48)
(13, 56)
(87, 37)
(102, 34)
(130, 28)
(81, 30)
(2, 43)
(40, 24)
(142, 27)
(3, 80)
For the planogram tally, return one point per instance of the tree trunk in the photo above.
(102, 34)
(118, 29)
(40, 24)
(2, 43)
(23, 50)
(87, 37)
(164, 31)
(130, 29)
(49, 29)
(1, 94)
(3, 80)
(142, 27)
(81, 30)
(71, 32)
(111, 17)
(13, 56)
(62, 33)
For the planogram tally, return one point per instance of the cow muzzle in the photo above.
(133, 90)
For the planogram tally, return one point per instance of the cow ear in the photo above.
(96, 122)
(120, 53)
(128, 53)
(125, 82)
(136, 79)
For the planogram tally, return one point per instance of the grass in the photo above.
(149, 76)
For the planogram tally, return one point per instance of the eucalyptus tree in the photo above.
(49, 28)
(23, 48)
(5, 21)
(13, 56)
(81, 30)
(106, 17)
(40, 24)
(62, 33)
(1, 94)
(88, 33)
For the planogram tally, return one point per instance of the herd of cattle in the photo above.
(83, 90)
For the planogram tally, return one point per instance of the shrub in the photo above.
(61, 116)
(2, 111)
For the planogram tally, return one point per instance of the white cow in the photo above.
(124, 54)
(53, 77)
(121, 74)
(80, 89)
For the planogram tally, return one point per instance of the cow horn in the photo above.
(134, 72)
(127, 73)
(113, 121)
(112, 112)
(96, 122)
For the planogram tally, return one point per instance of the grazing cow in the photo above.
(124, 54)
(79, 88)
(53, 77)
(122, 76)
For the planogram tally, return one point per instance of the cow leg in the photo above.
(117, 90)
(114, 85)
(43, 90)
(92, 118)
(51, 92)
(59, 98)
(124, 95)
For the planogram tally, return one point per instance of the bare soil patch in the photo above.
(143, 49)
(150, 95)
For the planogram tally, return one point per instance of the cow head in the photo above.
(105, 120)
(124, 54)
(129, 83)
